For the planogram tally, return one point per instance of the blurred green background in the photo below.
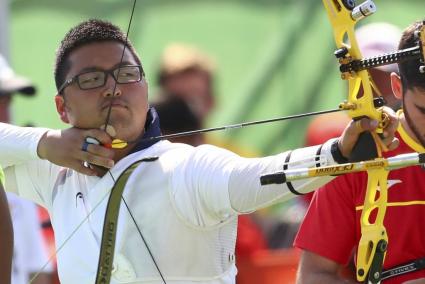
(273, 57)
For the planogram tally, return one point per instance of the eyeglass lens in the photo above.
(122, 75)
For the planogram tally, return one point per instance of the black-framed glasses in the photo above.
(125, 74)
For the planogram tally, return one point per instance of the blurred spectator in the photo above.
(177, 116)
(11, 83)
(29, 253)
(188, 73)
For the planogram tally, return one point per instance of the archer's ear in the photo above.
(61, 108)
(396, 85)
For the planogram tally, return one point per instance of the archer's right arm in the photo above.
(61, 147)
(33, 157)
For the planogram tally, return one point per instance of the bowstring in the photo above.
(108, 116)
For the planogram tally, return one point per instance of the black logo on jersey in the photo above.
(78, 195)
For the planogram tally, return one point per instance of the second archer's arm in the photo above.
(6, 238)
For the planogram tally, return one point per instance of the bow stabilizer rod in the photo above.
(392, 163)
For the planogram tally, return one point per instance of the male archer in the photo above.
(177, 223)
(330, 232)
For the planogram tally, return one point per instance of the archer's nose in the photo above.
(112, 89)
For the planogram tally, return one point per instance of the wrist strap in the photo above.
(336, 153)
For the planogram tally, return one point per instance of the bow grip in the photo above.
(367, 148)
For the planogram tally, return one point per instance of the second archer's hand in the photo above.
(349, 137)
(66, 148)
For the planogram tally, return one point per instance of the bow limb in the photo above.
(373, 243)
(374, 240)
(343, 27)
(360, 103)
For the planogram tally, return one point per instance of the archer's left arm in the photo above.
(223, 184)
(247, 195)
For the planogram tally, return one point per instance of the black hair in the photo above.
(87, 32)
(409, 70)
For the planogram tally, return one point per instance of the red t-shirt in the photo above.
(331, 227)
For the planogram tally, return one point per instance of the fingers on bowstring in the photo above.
(92, 151)
(100, 135)
(95, 154)
(96, 150)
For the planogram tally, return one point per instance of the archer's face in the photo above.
(414, 109)
(383, 83)
(89, 108)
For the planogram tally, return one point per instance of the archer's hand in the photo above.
(65, 148)
(349, 137)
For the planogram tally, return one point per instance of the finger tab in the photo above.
(91, 140)
(119, 144)
(109, 129)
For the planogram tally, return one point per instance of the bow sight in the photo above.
(348, 65)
